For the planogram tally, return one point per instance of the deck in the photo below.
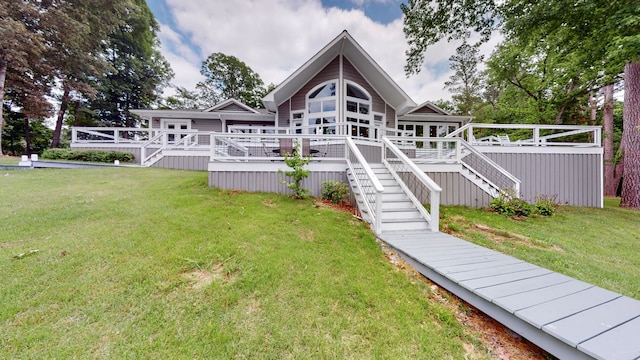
(568, 318)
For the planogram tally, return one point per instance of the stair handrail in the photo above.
(365, 173)
(432, 217)
(492, 164)
(144, 146)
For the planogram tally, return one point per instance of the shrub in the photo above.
(509, 205)
(334, 191)
(104, 156)
(546, 205)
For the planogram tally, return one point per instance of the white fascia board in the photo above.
(522, 149)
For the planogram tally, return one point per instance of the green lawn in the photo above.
(151, 263)
(598, 246)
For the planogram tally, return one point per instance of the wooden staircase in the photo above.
(398, 211)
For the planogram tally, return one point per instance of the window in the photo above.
(175, 126)
(321, 112)
(358, 112)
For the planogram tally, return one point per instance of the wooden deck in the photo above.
(568, 318)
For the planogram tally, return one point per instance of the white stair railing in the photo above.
(367, 183)
(488, 170)
(420, 188)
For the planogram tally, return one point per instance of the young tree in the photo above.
(466, 82)
(227, 77)
(610, 186)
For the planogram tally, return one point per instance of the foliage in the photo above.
(104, 156)
(334, 191)
(546, 205)
(298, 172)
(508, 205)
(466, 82)
(226, 77)
(14, 138)
(138, 71)
(172, 267)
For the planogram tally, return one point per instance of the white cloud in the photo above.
(275, 37)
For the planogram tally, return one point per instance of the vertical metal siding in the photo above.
(573, 179)
(458, 190)
(183, 162)
(270, 181)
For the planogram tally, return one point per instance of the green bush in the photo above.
(104, 156)
(334, 191)
(509, 205)
(546, 205)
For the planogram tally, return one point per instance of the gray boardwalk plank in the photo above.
(618, 343)
(477, 266)
(491, 271)
(504, 278)
(540, 315)
(522, 286)
(595, 321)
(530, 298)
(461, 261)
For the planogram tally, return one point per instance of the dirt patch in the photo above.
(500, 236)
(269, 203)
(201, 279)
(501, 342)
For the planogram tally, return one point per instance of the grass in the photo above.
(151, 263)
(598, 246)
(9, 160)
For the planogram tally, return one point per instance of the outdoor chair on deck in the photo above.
(267, 153)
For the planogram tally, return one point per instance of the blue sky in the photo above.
(275, 37)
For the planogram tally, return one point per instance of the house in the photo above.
(359, 126)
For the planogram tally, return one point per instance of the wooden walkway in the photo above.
(568, 318)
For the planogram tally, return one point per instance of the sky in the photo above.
(276, 37)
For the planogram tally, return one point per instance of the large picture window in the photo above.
(322, 109)
(358, 112)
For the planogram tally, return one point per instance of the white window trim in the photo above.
(349, 114)
(322, 114)
(165, 122)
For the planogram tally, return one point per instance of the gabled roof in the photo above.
(428, 108)
(231, 105)
(343, 44)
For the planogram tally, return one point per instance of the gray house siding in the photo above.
(270, 181)
(330, 72)
(183, 162)
(284, 114)
(352, 74)
(575, 179)
(458, 190)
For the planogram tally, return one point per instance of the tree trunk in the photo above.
(593, 104)
(3, 76)
(610, 186)
(631, 137)
(64, 103)
(27, 135)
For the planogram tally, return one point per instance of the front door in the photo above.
(177, 129)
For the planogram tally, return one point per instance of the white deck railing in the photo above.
(420, 188)
(111, 135)
(457, 151)
(367, 183)
(530, 135)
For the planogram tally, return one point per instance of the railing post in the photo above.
(212, 142)
(536, 136)
(435, 211)
(378, 212)
(74, 134)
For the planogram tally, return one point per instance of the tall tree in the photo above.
(466, 82)
(21, 45)
(603, 33)
(138, 71)
(227, 77)
(77, 30)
